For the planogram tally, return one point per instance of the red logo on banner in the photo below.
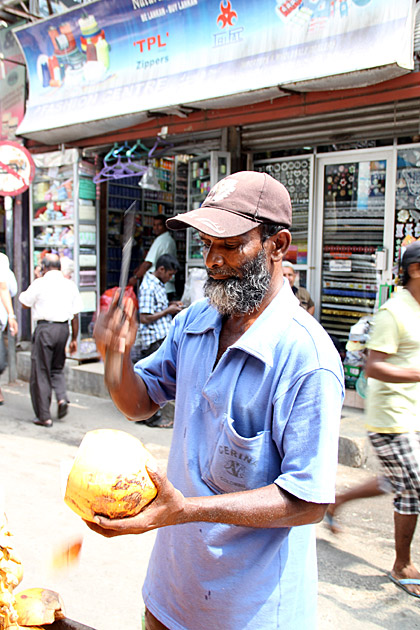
(227, 15)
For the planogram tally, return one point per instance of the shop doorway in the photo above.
(354, 221)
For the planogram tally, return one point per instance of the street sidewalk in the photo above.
(104, 589)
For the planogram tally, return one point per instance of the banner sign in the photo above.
(17, 168)
(115, 57)
(12, 84)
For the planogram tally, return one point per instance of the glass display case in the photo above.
(64, 219)
(353, 232)
(204, 171)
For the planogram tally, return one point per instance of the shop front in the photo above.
(355, 211)
(345, 238)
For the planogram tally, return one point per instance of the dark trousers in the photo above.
(151, 349)
(138, 353)
(152, 623)
(48, 356)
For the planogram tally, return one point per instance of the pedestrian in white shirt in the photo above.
(55, 301)
(8, 289)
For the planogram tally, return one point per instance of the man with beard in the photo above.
(258, 390)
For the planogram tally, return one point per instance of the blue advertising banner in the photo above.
(12, 84)
(115, 57)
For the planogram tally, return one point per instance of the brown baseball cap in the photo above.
(238, 203)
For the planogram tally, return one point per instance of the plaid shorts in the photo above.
(399, 454)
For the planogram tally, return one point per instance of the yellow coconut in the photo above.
(109, 476)
(36, 606)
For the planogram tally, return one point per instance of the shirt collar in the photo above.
(153, 278)
(276, 318)
(255, 341)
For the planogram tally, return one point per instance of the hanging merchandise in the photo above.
(119, 162)
(149, 179)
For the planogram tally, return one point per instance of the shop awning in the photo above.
(113, 63)
(343, 128)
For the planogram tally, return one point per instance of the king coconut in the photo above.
(109, 476)
(32, 608)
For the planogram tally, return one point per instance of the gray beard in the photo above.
(236, 296)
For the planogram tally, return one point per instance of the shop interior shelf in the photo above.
(121, 183)
(124, 197)
(59, 177)
(158, 200)
(201, 178)
(37, 222)
(44, 244)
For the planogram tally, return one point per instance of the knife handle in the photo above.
(113, 368)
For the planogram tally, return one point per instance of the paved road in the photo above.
(104, 589)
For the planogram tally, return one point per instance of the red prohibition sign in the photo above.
(17, 168)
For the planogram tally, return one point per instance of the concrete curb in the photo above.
(352, 451)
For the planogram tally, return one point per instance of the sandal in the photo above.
(160, 422)
(43, 423)
(331, 523)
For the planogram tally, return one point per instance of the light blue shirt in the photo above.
(268, 412)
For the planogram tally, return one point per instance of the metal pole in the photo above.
(11, 345)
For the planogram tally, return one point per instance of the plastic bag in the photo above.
(193, 289)
(361, 384)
